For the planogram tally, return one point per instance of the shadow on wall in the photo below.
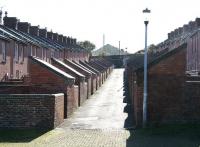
(129, 123)
(15, 136)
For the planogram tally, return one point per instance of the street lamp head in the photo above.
(146, 15)
(146, 10)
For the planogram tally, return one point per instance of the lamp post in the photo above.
(146, 12)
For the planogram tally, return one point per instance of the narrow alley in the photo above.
(104, 109)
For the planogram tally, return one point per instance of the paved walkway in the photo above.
(104, 109)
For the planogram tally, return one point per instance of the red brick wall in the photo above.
(82, 93)
(76, 96)
(165, 90)
(51, 82)
(89, 91)
(94, 85)
(31, 111)
(5, 67)
(71, 100)
(85, 91)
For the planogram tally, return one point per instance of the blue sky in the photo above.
(117, 19)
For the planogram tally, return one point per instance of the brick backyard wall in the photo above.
(166, 86)
(25, 111)
(191, 109)
(80, 79)
(51, 82)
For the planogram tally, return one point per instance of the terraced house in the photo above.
(44, 76)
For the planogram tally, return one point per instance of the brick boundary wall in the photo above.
(27, 111)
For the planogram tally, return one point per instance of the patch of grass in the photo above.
(20, 135)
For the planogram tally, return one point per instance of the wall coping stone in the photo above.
(31, 95)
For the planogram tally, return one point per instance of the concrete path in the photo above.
(104, 109)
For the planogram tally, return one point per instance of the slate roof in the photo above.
(68, 67)
(2, 36)
(90, 67)
(136, 62)
(53, 68)
(35, 40)
(79, 67)
(84, 67)
(10, 35)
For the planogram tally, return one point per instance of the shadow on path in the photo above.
(15, 136)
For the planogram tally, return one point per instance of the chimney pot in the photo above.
(6, 13)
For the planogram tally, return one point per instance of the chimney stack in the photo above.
(180, 31)
(176, 33)
(75, 41)
(185, 29)
(64, 40)
(50, 35)
(24, 27)
(0, 17)
(55, 37)
(10, 22)
(60, 39)
(191, 26)
(169, 35)
(197, 22)
(34, 30)
(43, 33)
(68, 41)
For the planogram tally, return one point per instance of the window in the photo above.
(44, 53)
(3, 45)
(22, 54)
(16, 52)
(31, 51)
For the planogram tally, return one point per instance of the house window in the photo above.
(31, 50)
(16, 52)
(52, 54)
(44, 53)
(22, 54)
(3, 45)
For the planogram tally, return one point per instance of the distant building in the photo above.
(108, 50)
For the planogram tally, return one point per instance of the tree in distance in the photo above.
(89, 46)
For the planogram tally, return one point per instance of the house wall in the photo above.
(5, 66)
(52, 83)
(78, 81)
(193, 53)
(24, 111)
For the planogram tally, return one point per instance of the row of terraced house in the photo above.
(44, 76)
(173, 79)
